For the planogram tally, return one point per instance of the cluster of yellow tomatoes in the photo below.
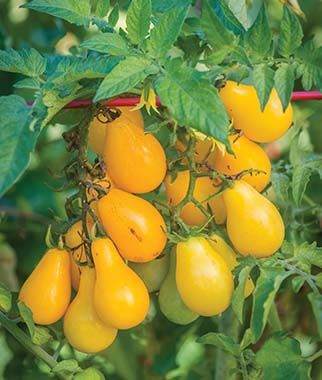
(195, 278)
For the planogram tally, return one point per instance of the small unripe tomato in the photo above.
(205, 187)
(135, 160)
(97, 128)
(246, 155)
(242, 104)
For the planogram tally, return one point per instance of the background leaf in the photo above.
(166, 31)
(107, 43)
(27, 62)
(267, 286)
(74, 11)
(20, 140)
(222, 341)
(263, 78)
(193, 102)
(291, 33)
(258, 38)
(126, 75)
(284, 83)
(280, 358)
(138, 20)
(217, 35)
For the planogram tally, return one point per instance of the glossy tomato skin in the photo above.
(203, 278)
(135, 225)
(205, 187)
(48, 288)
(97, 128)
(246, 155)
(254, 225)
(135, 160)
(230, 257)
(243, 106)
(82, 326)
(120, 297)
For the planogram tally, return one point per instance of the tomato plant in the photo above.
(161, 190)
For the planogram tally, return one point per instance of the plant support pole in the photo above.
(133, 101)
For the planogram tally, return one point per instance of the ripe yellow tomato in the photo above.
(120, 297)
(135, 226)
(203, 278)
(229, 255)
(204, 187)
(247, 155)
(254, 225)
(243, 106)
(135, 160)
(97, 129)
(47, 290)
(82, 326)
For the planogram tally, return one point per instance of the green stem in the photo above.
(224, 362)
(25, 341)
(315, 356)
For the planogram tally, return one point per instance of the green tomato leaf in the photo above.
(29, 83)
(114, 15)
(101, 7)
(190, 353)
(217, 35)
(222, 341)
(291, 33)
(67, 367)
(267, 286)
(297, 283)
(26, 316)
(27, 62)
(245, 11)
(90, 373)
(17, 140)
(166, 31)
(311, 68)
(301, 176)
(281, 185)
(161, 6)
(73, 69)
(258, 38)
(263, 78)
(5, 299)
(316, 302)
(239, 293)
(107, 43)
(73, 11)
(41, 335)
(284, 83)
(280, 358)
(193, 102)
(126, 75)
(138, 20)
(227, 17)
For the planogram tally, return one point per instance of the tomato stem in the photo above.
(25, 341)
